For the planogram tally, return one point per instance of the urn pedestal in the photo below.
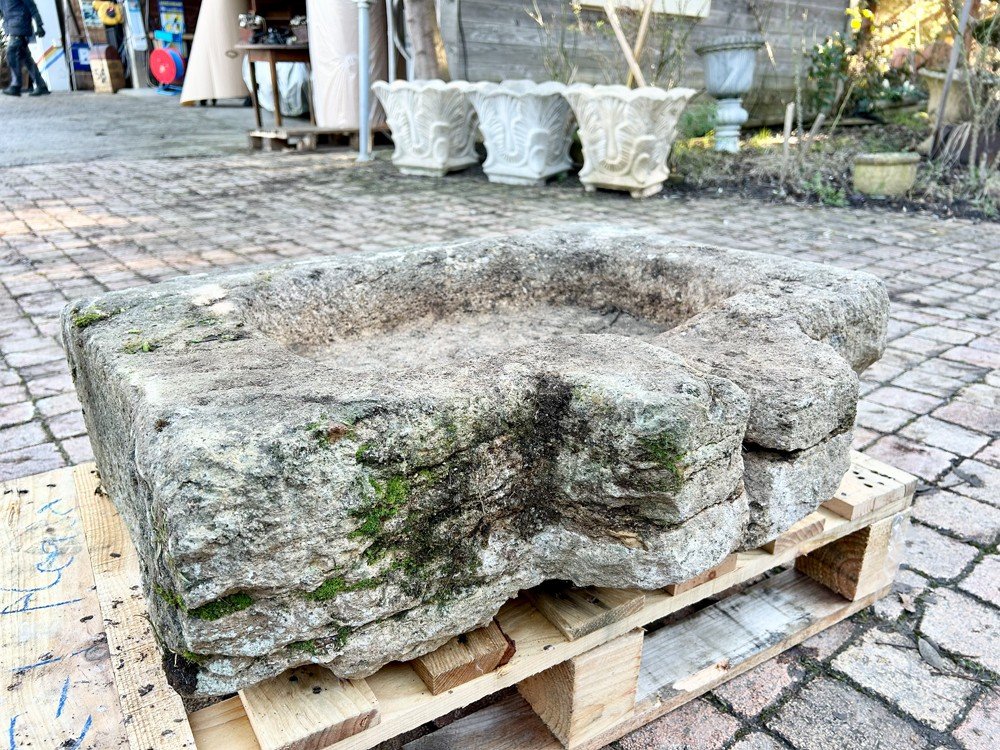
(729, 66)
(626, 135)
(527, 127)
(433, 125)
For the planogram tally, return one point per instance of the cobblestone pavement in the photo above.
(931, 405)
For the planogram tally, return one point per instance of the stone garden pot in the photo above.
(885, 175)
(729, 66)
(433, 125)
(958, 108)
(626, 135)
(527, 127)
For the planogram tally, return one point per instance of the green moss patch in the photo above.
(88, 317)
(665, 450)
(135, 346)
(333, 587)
(387, 497)
(227, 605)
(308, 647)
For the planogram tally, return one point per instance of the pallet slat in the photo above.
(807, 528)
(308, 708)
(464, 658)
(576, 612)
(154, 714)
(728, 565)
(53, 650)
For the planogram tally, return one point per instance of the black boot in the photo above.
(12, 91)
(39, 91)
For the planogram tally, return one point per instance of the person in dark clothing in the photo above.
(18, 16)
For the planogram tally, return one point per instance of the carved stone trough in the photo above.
(350, 460)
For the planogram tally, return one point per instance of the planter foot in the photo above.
(647, 191)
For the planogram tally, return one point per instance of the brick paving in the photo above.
(931, 405)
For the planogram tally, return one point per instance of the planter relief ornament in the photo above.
(729, 66)
(528, 129)
(626, 135)
(433, 125)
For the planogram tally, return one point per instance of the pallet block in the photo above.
(582, 659)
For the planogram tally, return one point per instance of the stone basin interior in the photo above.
(434, 342)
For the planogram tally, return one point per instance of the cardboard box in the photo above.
(106, 68)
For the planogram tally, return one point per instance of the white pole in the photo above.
(364, 80)
(390, 33)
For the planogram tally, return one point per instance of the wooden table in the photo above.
(273, 54)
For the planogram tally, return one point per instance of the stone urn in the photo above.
(958, 108)
(527, 127)
(626, 135)
(729, 65)
(885, 175)
(433, 125)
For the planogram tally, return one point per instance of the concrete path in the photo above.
(931, 405)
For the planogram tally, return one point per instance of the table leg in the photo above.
(253, 95)
(277, 95)
(312, 98)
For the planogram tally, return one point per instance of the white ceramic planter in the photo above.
(626, 135)
(527, 127)
(729, 66)
(433, 125)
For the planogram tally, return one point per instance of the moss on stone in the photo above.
(135, 346)
(333, 587)
(666, 451)
(170, 597)
(219, 608)
(88, 317)
(387, 498)
(308, 647)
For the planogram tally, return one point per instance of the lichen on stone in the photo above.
(220, 608)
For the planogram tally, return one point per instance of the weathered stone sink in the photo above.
(349, 460)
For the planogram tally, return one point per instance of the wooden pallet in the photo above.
(305, 138)
(86, 668)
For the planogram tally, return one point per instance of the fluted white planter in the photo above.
(527, 127)
(729, 66)
(433, 125)
(626, 135)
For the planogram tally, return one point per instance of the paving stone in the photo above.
(945, 334)
(882, 418)
(975, 357)
(968, 518)
(940, 434)
(826, 642)
(923, 461)
(890, 665)
(975, 479)
(903, 398)
(28, 461)
(963, 626)
(984, 580)
(981, 728)
(990, 454)
(758, 741)
(935, 554)
(753, 691)
(973, 416)
(906, 587)
(78, 449)
(828, 714)
(21, 436)
(16, 414)
(694, 726)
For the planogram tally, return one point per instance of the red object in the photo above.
(166, 65)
